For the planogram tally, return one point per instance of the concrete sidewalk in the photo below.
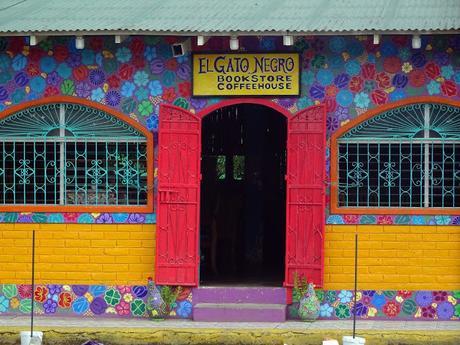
(74, 331)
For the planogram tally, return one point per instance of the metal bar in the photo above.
(33, 286)
(356, 285)
(61, 154)
(74, 139)
(386, 141)
(426, 135)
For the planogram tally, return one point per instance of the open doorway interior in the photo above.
(243, 196)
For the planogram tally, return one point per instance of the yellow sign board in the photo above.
(257, 74)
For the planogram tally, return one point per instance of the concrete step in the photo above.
(239, 312)
(258, 295)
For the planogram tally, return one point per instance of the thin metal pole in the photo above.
(33, 286)
(356, 285)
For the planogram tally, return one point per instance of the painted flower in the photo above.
(80, 290)
(126, 71)
(150, 53)
(123, 54)
(169, 94)
(141, 94)
(136, 218)
(127, 297)
(113, 81)
(404, 293)
(25, 291)
(50, 306)
(112, 297)
(445, 310)
(361, 309)
(383, 80)
(362, 100)
(391, 309)
(71, 217)
(428, 312)
(356, 84)
(424, 298)
(52, 79)
(97, 77)
(353, 67)
(155, 88)
(40, 294)
(14, 303)
(439, 296)
(113, 98)
(54, 289)
(65, 300)
(127, 89)
(332, 123)
(331, 296)
(418, 59)
(378, 300)
(83, 90)
(341, 113)
(98, 306)
(326, 310)
(105, 218)
(324, 77)
(400, 80)
(308, 77)
(122, 308)
(407, 67)
(97, 95)
(4, 304)
(152, 122)
(344, 98)
(342, 311)
(345, 296)
(384, 220)
(434, 88)
(184, 309)
(447, 71)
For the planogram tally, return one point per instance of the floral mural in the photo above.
(138, 301)
(386, 305)
(350, 75)
(88, 300)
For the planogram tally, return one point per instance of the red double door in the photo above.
(178, 207)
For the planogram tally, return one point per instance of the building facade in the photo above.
(125, 175)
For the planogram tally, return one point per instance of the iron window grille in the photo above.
(70, 154)
(404, 157)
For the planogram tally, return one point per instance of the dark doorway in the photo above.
(243, 196)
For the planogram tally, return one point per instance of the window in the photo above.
(407, 157)
(65, 154)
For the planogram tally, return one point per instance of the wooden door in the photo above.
(177, 249)
(305, 197)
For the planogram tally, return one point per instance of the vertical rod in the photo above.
(61, 154)
(33, 285)
(356, 285)
(426, 168)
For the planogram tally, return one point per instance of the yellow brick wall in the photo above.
(78, 253)
(390, 257)
(393, 257)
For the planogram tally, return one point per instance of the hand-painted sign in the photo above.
(257, 74)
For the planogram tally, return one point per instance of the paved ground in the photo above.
(115, 331)
(23, 321)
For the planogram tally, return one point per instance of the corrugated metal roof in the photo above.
(225, 16)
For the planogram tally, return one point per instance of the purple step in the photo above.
(239, 312)
(257, 295)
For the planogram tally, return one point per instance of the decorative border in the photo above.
(150, 218)
(132, 301)
(89, 300)
(386, 305)
(78, 218)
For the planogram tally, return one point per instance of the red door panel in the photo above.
(305, 198)
(177, 235)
